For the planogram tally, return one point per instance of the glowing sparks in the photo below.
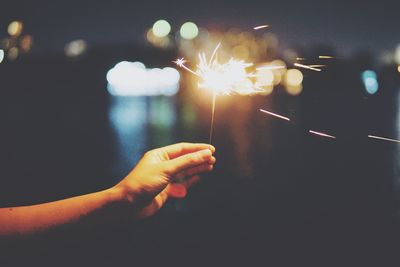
(326, 57)
(317, 66)
(261, 27)
(181, 63)
(270, 68)
(300, 58)
(306, 67)
(383, 138)
(274, 114)
(322, 134)
(230, 77)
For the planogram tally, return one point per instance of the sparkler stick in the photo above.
(275, 115)
(384, 138)
(261, 27)
(214, 98)
(306, 67)
(322, 134)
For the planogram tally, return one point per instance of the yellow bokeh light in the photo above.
(398, 68)
(161, 28)
(15, 28)
(293, 77)
(189, 30)
(13, 53)
(294, 89)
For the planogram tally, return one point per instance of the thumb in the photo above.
(188, 161)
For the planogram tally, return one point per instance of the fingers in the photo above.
(177, 150)
(180, 190)
(188, 161)
(206, 167)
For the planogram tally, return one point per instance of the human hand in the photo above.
(165, 172)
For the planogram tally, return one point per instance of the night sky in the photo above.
(347, 25)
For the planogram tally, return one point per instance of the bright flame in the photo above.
(230, 77)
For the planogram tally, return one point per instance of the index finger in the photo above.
(177, 150)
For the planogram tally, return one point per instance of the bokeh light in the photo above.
(293, 77)
(75, 48)
(15, 28)
(189, 31)
(134, 79)
(13, 53)
(26, 43)
(370, 80)
(397, 55)
(161, 28)
(1, 55)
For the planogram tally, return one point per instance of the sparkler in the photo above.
(306, 67)
(222, 78)
(384, 138)
(261, 27)
(322, 134)
(275, 115)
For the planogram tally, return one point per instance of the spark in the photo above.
(181, 63)
(322, 134)
(275, 115)
(384, 138)
(270, 68)
(306, 67)
(326, 57)
(261, 27)
(317, 66)
(300, 58)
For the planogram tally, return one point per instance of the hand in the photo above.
(165, 172)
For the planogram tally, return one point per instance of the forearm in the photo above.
(26, 220)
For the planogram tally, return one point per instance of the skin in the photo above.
(161, 173)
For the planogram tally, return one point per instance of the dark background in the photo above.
(277, 197)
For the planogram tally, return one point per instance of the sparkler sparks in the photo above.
(261, 27)
(326, 57)
(230, 77)
(383, 138)
(306, 67)
(322, 134)
(275, 115)
(270, 68)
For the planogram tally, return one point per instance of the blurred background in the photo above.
(86, 87)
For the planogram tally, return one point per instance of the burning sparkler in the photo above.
(222, 78)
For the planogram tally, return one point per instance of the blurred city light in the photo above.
(1, 55)
(189, 31)
(15, 28)
(370, 81)
(75, 48)
(293, 77)
(161, 28)
(397, 55)
(13, 53)
(26, 43)
(134, 79)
